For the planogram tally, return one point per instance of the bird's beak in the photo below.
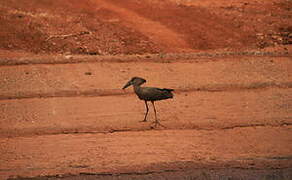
(128, 84)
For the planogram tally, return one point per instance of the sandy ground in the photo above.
(66, 120)
(63, 114)
(147, 151)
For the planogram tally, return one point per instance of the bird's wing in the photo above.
(152, 93)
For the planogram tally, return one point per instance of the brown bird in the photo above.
(149, 94)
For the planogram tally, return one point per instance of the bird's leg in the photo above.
(156, 122)
(154, 111)
(147, 109)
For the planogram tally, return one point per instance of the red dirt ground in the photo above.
(63, 114)
(139, 27)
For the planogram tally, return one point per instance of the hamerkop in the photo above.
(149, 94)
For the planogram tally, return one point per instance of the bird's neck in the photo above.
(137, 88)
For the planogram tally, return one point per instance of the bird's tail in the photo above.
(167, 92)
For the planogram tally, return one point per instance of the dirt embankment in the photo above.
(99, 27)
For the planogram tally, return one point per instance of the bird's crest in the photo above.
(135, 81)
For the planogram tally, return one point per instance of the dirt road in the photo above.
(61, 119)
(63, 114)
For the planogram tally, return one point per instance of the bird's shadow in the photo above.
(156, 124)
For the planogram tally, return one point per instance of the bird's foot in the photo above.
(156, 124)
(143, 120)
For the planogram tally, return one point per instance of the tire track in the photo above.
(113, 131)
(119, 92)
(198, 111)
(156, 32)
(77, 80)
